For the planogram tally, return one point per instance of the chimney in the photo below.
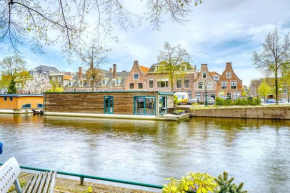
(228, 65)
(114, 70)
(194, 67)
(136, 62)
(110, 70)
(80, 72)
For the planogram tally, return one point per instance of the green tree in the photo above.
(12, 88)
(273, 58)
(171, 60)
(264, 89)
(55, 87)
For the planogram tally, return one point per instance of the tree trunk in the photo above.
(93, 84)
(276, 82)
(171, 81)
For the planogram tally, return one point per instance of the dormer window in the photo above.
(118, 81)
(204, 75)
(156, 68)
(229, 75)
(104, 82)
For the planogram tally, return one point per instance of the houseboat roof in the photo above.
(20, 95)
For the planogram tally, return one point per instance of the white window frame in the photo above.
(134, 76)
(229, 75)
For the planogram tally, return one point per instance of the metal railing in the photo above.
(83, 176)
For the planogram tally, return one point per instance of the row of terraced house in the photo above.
(197, 83)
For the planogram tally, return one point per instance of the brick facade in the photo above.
(229, 84)
(137, 78)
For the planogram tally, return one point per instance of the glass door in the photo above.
(162, 105)
(108, 104)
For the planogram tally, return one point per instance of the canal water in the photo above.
(256, 152)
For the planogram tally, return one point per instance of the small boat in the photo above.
(37, 112)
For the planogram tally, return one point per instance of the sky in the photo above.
(217, 32)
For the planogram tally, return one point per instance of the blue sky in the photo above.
(218, 32)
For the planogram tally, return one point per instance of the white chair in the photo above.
(40, 183)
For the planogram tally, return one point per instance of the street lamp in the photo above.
(205, 87)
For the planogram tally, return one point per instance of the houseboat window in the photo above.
(224, 85)
(5, 98)
(140, 85)
(131, 85)
(200, 85)
(229, 75)
(163, 83)
(39, 105)
(233, 84)
(186, 83)
(26, 106)
(108, 104)
(144, 105)
(11, 98)
(204, 75)
(151, 83)
(178, 83)
(136, 76)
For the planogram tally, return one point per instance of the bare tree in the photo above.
(11, 66)
(93, 57)
(65, 22)
(273, 59)
(171, 60)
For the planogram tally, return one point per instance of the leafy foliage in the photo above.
(193, 182)
(226, 185)
(240, 101)
(12, 88)
(264, 89)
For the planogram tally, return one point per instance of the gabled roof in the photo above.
(144, 69)
(43, 68)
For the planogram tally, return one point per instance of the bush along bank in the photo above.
(203, 183)
(239, 102)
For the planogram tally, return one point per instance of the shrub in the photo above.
(194, 182)
(178, 112)
(226, 185)
(175, 99)
(219, 101)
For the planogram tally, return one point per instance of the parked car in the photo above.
(192, 101)
(283, 101)
(271, 101)
(210, 100)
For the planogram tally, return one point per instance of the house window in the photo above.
(5, 98)
(182, 68)
(224, 85)
(162, 83)
(236, 95)
(26, 106)
(233, 84)
(140, 85)
(229, 95)
(229, 74)
(131, 85)
(156, 68)
(178, 83)
(200, 85)
(39, 105)
(11, 98)
(186, 83)
(197, 95)
(136, 76)
(151, 83)
(204, 75)
(59, 79)
(216, 78)
(209, 85)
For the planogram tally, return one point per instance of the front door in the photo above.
(108, 104)
(162, 105)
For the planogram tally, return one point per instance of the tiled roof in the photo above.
(43, 68)
(214, 74)
(144, 69)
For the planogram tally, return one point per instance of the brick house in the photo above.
(183, 80)
(137, 78)
(229, 84)
(204, 84)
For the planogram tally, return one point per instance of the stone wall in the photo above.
(267, 112)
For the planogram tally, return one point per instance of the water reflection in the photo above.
(254, 151)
